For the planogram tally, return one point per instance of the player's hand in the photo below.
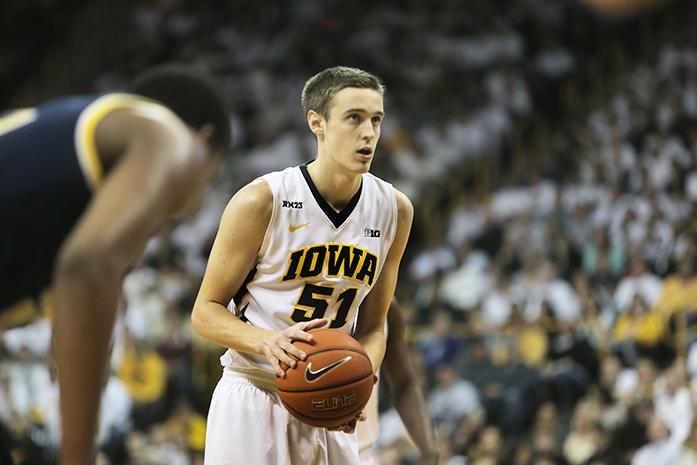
(279, 350)
(350, 426)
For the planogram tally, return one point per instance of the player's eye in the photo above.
(376, 120)
(354, 118)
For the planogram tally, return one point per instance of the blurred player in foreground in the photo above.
(407, 398)
(296, 250)
(85, 181)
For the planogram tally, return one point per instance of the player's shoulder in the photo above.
(136, 108)
(258, 191)
(405, 209)
(403, 203)
(68, 103)
(59, 113)
(120, 118)
(255, 198)
(97, 106)
(290, 174)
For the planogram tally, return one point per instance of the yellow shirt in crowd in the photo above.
(644, 329)
(677, 295)
(144, 374)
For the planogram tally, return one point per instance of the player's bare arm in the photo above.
(370, 330)
(404, 387)
(240, 236)
(151, 180)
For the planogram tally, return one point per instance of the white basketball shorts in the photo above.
(248, 425)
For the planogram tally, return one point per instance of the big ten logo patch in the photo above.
(372, 232)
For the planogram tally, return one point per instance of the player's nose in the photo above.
(368, 132)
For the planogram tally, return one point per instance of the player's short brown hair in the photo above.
(321, 88)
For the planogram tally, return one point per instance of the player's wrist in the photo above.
(261, 341)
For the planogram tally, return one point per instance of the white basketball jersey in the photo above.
(315, 262)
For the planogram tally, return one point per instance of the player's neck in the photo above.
(336, 186)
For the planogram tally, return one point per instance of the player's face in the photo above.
(352, 130)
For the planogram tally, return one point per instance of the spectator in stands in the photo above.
(144, 373)
(452, 397)
(443, 344)
(638, 331)
(637, 281)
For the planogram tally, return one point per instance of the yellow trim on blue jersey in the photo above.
(85, 142)
(16, 119)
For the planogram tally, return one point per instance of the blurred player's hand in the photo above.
(279, 350)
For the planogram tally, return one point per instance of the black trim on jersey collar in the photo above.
(337, 218)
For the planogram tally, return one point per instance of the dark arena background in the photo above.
(550, 150)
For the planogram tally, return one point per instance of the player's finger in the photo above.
(300, 335)
(315, 324)
(350, 427)
(280, 372)
(292, 350)
(341, 428)
(282, 356)
(299, 330)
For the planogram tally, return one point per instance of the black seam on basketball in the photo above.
(314, 389)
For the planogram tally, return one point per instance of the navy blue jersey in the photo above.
(49, 168)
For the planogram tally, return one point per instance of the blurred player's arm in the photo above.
(150, 182)
(404, 387)
(370, 329)
(240, 235)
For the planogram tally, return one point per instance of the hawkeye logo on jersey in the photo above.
(291, 204)
(372, 232)
(334, 260)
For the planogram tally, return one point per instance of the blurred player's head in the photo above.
(344, 108)
(191, 94)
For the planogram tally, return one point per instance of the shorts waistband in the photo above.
(263, 379)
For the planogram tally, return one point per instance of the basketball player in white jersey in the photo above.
(407, 398)
(303, 248)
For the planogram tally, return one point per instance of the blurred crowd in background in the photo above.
(550, 282)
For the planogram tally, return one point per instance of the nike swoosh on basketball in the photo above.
(314, 375)
(292, 228)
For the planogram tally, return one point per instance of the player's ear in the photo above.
(316, 123)
(206, 132)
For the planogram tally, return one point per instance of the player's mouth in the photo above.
(365, 153)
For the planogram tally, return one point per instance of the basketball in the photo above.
(332, 385)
